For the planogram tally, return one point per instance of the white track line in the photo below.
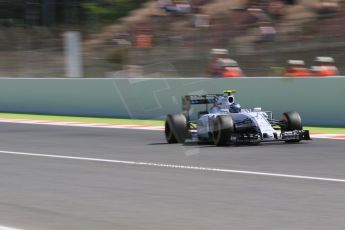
(172, 166)
(8, 228)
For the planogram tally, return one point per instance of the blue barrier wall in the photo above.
(320, 101)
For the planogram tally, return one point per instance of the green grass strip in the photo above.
(329, 130)
(124, 121)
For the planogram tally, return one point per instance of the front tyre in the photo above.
(223, 127)
(291, 121)
(176, 130)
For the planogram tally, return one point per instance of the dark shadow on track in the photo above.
(162, 143)
(239, 145)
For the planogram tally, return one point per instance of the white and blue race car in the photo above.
(224, 122)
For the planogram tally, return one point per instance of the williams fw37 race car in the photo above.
(223, 122)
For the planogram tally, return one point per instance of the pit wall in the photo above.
(320, 101)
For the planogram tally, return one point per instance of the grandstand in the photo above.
(261, 37)
(300, 33)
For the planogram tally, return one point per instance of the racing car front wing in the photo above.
(296, 135)
(292, 136)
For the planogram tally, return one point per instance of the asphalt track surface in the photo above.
(42, 192)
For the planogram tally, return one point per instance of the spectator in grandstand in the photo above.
(220, 65)
(266, 10)
(290, 2)
(121, 39)
(276, 9)
(325, 66)
(215, 55)
(327, 7)
(200, 20)
(164, 3)
(267, 32)
(230, 68)
(297, 68)
(175, 6)
(259, 14)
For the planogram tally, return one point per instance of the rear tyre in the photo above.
(292, 121)
(176, 128)
(223, 127)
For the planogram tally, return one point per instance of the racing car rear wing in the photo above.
(206, 99)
